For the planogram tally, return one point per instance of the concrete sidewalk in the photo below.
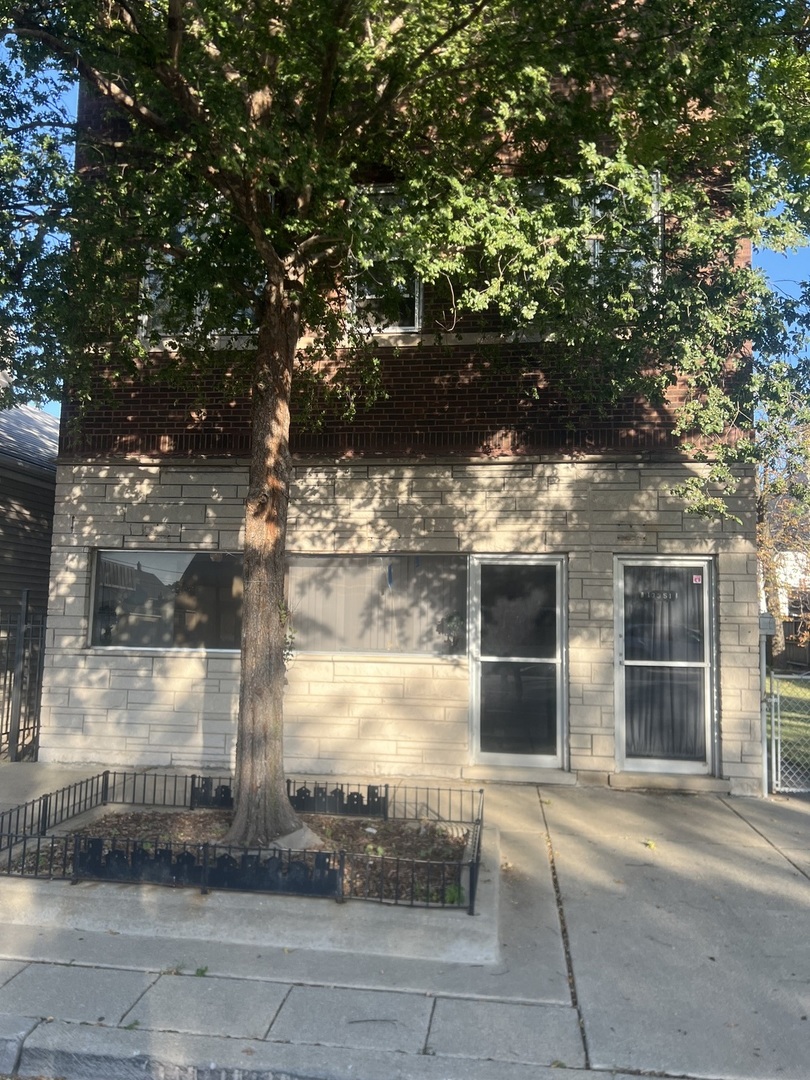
(620, 933)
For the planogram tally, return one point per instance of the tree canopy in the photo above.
(587, 174)
(249, 140)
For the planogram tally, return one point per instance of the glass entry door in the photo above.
(517, 661)
(664, 657)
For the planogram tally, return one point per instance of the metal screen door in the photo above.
(664, 665)
(517, 655)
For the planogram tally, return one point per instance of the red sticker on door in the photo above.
(697, 579)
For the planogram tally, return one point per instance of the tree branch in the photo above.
(104, 85)
(390, 91)
(328, 71)
(231, 189)
(174, 29)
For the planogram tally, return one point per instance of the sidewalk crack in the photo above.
(767, 839)
(572, 985)
(426, 1047)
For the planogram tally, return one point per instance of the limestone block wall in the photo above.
(387, 716)
(374, 714)
(124, 707)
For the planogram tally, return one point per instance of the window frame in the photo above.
(387, 192)
(139, 554)
(558, 662)
(706, 566)
(415, 293)
(191, 553)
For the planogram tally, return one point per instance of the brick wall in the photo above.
(468, 399)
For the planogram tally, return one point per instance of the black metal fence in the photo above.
(31, 852)
(797, 646)
(39, 816)
(22, 647)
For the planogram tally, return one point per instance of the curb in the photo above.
(86, 1052)
(13, 1032)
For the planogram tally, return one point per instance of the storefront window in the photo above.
(378, 603)
(186, 600)
(168, 599)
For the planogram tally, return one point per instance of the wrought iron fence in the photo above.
(22, 646)
(37, 817)
(31, 852)
(790, 732)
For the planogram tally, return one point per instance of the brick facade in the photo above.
(478, 397)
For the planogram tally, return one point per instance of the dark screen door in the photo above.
(665, 656)
(518, 650)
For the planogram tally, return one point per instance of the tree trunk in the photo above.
(262, 810)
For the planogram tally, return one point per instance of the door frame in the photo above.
(543, 761)
(706, 565)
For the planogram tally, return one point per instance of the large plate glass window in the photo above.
(517, 654)
(168, 599)
(378, 603)
(664, 661)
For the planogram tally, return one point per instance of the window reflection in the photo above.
(168, 599)
(519, 611)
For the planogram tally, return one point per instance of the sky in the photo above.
(785, 272)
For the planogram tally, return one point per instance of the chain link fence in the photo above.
(789, 724)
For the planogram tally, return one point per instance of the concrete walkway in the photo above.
(619, 934)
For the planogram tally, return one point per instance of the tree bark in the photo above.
(262, 810)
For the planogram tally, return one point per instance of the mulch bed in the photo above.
(370, 836)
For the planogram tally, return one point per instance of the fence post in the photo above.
(44, 814)
(17, 681)
(340, 894)
(777, 734)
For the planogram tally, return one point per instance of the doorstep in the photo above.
(505, 774)
(637, 781)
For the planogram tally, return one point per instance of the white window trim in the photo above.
(561, 759)
(149, 650)
(393, 328)
(377, 655)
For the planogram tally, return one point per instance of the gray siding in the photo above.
(28, 444)
(26, 519)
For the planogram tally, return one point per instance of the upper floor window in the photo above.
(388, 298)
(385, 292)
(613, 241)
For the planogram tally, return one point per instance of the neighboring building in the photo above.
(793, 573)
(486, 580)
(28, 447)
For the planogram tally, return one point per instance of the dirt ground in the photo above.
(424, 840)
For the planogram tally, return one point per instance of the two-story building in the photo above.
(485, 580)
